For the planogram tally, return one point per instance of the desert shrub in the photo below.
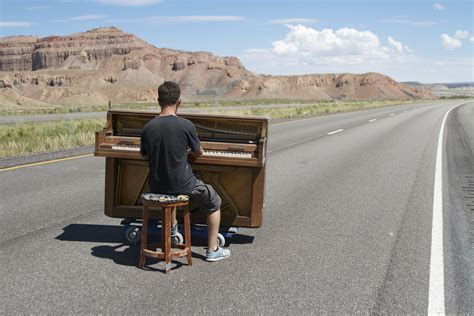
(26, 138)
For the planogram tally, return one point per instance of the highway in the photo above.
(347, 228)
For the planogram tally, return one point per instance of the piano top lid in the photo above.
(192, 115)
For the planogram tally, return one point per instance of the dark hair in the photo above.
(168, 93)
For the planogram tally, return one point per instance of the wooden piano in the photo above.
(233, 163)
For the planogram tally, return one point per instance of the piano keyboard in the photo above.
(125, 147)
(230, 154)
(207, 153)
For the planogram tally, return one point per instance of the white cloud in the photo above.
(461, 34)
(471, 39)
(449, 42)
(439, 6)
(304, 50)
(15, 24)
(83, 18)
(348, 44)
(409, 22)
(398, 46)
(292, 20)
(307, 50)
(129, 3)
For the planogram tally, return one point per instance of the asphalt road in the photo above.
(347, 229)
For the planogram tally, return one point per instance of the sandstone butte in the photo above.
(108, 64)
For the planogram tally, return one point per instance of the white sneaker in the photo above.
(217, 255)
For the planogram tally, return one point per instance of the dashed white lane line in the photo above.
(372, 120)
(436, 305)
(334, 132)
(392, 114)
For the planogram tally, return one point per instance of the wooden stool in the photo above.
(167, 203)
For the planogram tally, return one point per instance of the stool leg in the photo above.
(143, 243)
(187, 235)
(167, 241)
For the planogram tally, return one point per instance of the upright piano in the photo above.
(233, 163)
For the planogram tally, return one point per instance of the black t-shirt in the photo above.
(165, 140)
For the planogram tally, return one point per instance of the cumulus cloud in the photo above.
(129, 3)
(439, 6)
(15, 24)
(398, 46)
(306, 50)
(471, 39)
(461, 34)
(346, 45)
(455, 41)
(450, 42)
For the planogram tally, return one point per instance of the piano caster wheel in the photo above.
(133, 234)
(220, 240)
(177, 239)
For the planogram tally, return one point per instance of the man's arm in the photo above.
(198, 153)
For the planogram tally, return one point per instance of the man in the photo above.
(164, 143)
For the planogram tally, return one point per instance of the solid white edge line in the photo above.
(334, 132)
(436, 304)
(372, 120)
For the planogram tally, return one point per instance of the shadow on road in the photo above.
(128, 254)
(116, 234)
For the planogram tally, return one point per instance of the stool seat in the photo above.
(164, 198)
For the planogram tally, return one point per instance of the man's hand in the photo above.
(145, 157)
(198, 153)
(193, 155)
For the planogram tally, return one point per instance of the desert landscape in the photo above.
(108, 64)
(330, 143)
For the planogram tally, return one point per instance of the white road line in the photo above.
(392, 114)
(372, 120)
(436, 286)
(334, 132)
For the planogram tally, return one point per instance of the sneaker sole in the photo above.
(216, 259)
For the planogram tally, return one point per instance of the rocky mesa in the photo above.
(108, 64)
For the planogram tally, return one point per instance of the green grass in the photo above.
(58, 109)
(27, 138)
(61, 109)
(316, 109)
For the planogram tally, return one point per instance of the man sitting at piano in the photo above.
(165, 142)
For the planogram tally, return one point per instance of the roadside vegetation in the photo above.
(27, 138)
(316, 109)
(61, 109)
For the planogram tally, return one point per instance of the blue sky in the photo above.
(418, 40)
